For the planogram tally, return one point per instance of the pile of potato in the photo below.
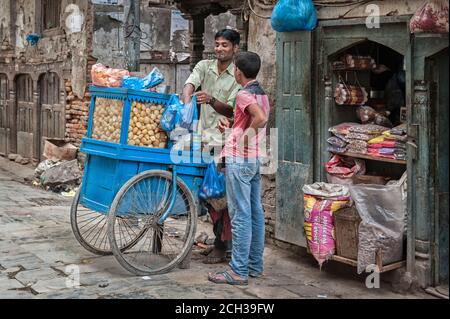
(107, 120)
(144, 127)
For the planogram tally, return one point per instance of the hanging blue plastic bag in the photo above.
(154, 78)
(294, 15)
(213, 185)
(172, 114)
(189, 115)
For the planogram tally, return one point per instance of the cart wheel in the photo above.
(91, 228)
(156, 249)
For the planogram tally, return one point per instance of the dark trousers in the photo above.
(219, 220)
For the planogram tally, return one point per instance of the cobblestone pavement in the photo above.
(38, 251)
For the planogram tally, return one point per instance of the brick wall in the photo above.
(77, 112)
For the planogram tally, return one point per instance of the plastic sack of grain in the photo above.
(321, 201)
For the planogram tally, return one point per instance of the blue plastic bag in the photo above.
(154, 78)
(213, 185)
(182, 115)
(293, 15)
(172, 114)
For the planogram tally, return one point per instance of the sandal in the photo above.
(255, 274)
(226, 277)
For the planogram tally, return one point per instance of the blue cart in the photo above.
(138, 199)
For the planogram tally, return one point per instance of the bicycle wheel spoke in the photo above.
(88, 221)
(89, 227)
(99, 234)
(92, 229)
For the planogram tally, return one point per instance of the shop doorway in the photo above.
(364, 93)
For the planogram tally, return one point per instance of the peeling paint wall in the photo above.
(24, 22)
(387, 7)
(108, 35)
(157, 39)
(75, 26)
(213, 24)
(5, 18)
(261, 40)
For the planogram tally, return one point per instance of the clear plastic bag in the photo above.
(342, 129)
(293, 15)
(382, 209)
(431, 17)
(336, 142)
(154, 78)
(213, 185)
(189, 117)
(365, 114)
(107, 77)
(369, 129)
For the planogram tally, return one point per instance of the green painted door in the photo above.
(295, 138)
(442, 165)
(437, 67)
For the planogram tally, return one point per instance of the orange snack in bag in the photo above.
(104, 76)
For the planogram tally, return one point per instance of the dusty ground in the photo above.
(38, 251)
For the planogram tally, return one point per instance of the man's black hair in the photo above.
(249, 63)
(228, 34)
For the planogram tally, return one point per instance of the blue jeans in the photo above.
(243, 184)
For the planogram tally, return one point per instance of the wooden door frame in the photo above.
(425, 46)
(33, 102)
(435, 172)
(61, 99)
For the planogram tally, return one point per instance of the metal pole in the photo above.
(132, 34)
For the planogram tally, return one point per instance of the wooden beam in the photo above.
(206, 7)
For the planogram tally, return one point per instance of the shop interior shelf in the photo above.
(373, 158)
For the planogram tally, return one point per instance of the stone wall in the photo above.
(62, 50)
(5, 23)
